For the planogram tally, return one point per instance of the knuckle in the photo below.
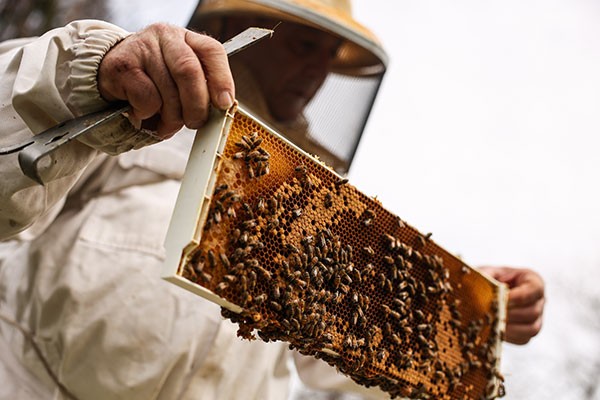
(210, 46)
(160, 28)
(187, 67)
(214, 47)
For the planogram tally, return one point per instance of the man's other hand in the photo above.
(525, 302)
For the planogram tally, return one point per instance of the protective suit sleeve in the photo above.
(45, 81)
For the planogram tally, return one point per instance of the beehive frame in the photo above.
(293, 252)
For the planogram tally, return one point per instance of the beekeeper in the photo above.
(83, 312)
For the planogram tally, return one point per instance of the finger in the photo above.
(157, 70)
(121, 77)
(186, 71)
(502, 274)
(143, 95)
(170, 112)
(525, 293)
(165, 129)
(526, 315)
(214, 62)
(522, 333)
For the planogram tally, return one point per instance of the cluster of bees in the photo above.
(379, 303)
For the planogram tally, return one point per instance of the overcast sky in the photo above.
(486, 134)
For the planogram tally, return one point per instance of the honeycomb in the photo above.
(310, 260)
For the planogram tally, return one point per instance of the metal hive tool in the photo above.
(293, 252)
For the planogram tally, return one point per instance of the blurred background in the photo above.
(486, 133)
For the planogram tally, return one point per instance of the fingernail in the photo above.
(225, 100)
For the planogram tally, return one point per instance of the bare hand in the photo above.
(525, 302)
(168, 72)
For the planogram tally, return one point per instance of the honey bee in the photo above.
(243, 144)
(273, 204)
(295, 325)
(249, 224)
(422, 340)
(220, 188)
(258, 300)
(257, 141)
(439, 375)
(328, 202)
(398, 302)
(346, 278)
(381, 355)
(212, 259)
(417, 392)
(301, 168)
(276, 293)
(231, 212)
(224, 260)
(264, 154)
(432, 290)
(456, 314)
(341, 182)
(349, 252)
(391, 241)
(396, 339)
(337, 280)
(266, 273)
(419, 314)
(217, 216)
(344, 288)
(417, 256)
(249, 140)
(252, 278)
(496, 372)
(300, 283)
(191, 271)
(292, 249)
(260, 205)
(252, 155)
(221, 287)
(387, 327)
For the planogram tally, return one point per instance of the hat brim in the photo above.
(360, 53)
